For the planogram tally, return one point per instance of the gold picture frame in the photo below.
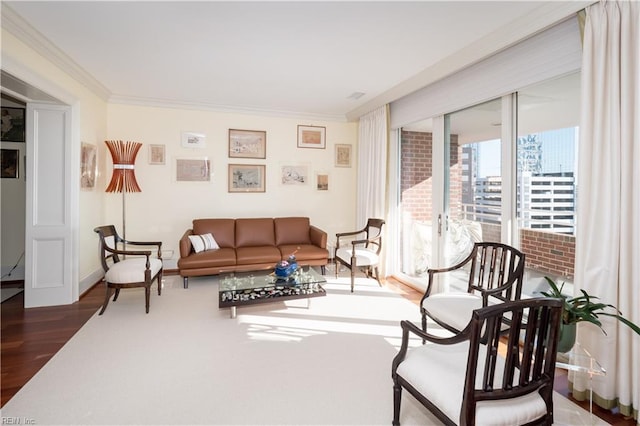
(247, 143)
(247, 178)
(312, 137)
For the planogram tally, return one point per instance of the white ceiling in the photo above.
(289, 58)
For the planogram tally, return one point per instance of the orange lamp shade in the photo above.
(124, 159)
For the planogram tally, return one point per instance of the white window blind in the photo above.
(551, 53)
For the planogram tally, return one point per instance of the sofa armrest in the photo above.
(185, 244)
(318, 236)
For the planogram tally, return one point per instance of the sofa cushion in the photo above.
(254, 232)
(223, 230)
(203, 242)
(208, 259)
(303, 252)
(291, 230)
(257, 255)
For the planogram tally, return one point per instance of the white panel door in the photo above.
(49, 230)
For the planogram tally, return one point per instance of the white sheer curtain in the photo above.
(608, 229)
(372, 165)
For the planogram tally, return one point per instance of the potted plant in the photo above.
(581, 308)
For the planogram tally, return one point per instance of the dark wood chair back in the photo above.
(526, 366)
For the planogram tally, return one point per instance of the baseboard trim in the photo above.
(88, 282)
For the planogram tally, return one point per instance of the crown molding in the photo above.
(545, 16)
(204, 106)
(25, 32)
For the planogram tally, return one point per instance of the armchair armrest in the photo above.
(146, 243)
(509, 287)
(115, 252)
(347, 234)
(432, 271)
(409, 327)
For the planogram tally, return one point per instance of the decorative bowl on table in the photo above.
(286, 268)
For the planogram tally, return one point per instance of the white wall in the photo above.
(165, 208)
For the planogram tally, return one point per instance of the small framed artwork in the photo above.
(88, 165)
(322, 182)
(13, 124)
(247, 178)
(193, 170)
(156, 154)
(294, 175)
(193, 140)
(9, 161)
(247, 144)
(312, 137)
(343, 155)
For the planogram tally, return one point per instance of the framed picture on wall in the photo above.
(13, 124)
(312, 137)
(322, 182)
(247, 177)
(9, 161)
(193, 140)
(343, 155)
(193, 170)
(88, 165)
(247, 144)
(294, 174)
(156, 154)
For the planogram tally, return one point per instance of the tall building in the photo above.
(546, 196)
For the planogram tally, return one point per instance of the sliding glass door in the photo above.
(504, 171)
(547, 182)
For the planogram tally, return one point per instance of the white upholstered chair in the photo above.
(466, 379)
(136, 268)
(360, 250)
(495, 275)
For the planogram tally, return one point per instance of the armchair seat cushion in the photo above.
(364, 257)
(438, 373)
(132, 270)
(452, 308)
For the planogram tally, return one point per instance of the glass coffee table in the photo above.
(250, 288)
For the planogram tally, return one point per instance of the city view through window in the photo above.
(546, 196)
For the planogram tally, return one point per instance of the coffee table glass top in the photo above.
(248, 288)
(259, 279)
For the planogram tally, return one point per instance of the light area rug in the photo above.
(321, 361)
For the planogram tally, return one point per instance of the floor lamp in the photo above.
(123, 178)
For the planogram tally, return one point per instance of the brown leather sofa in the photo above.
(251, 244)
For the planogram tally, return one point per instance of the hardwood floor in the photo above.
(30, 337)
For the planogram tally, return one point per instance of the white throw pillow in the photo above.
(203, 242)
